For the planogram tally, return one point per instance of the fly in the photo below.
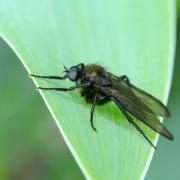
(99, 86)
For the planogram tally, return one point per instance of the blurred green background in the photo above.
(31, 146)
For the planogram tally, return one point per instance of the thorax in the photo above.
(97, 76)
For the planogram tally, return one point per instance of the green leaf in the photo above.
(166, 161)
(135, 38)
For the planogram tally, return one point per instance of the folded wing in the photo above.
(140, 104)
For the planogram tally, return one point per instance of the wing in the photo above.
(142, 105)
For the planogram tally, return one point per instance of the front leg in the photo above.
(49, 77)
(66, 89)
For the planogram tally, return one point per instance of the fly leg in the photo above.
(49, 77)
(124, 78)
(132, 122)
(65, 89)
(93, 108)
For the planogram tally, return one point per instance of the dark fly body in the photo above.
(98, 87)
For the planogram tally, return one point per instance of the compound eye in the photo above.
(73, 74)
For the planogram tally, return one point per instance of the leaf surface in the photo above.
(135, 38)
